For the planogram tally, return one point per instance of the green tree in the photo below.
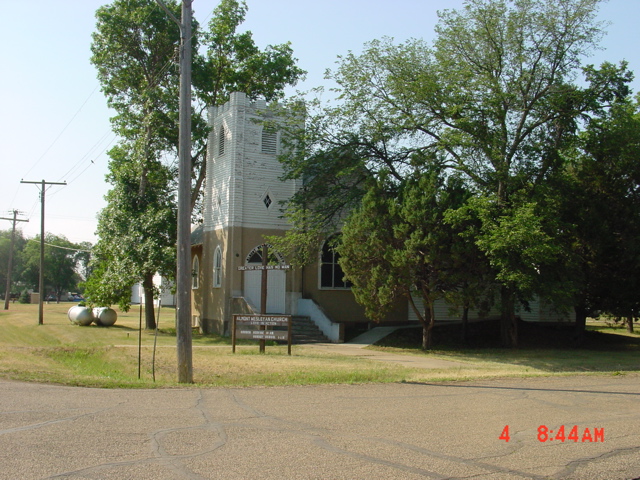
(397, 246)
(494, 99)
(137, 231)
(5, 246)
(134, 50)
(603, 205)
(60, 265)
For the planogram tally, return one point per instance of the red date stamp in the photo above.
(562, 434)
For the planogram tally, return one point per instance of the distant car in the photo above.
(51, 298)
(76, 298)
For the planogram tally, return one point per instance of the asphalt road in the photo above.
(396, 431)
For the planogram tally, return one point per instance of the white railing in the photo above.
(333, 331)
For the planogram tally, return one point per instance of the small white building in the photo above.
(167, 296)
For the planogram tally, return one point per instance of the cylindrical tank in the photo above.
(80, 315)
(105, 316)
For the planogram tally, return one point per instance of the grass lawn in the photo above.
(60, 352)
(544, 350)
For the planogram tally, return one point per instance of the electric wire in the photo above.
(154, 82)
(61, 132)
(58, 246)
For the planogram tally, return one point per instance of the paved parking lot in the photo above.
(396, 431)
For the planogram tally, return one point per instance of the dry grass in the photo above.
(60, 352)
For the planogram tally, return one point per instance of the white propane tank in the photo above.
(80, 315)
(105, 316)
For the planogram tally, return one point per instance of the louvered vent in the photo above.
(269, 141)
(221, 141)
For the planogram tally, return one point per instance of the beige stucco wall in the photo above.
(216, 304)
(340, 305)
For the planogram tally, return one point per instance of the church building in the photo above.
(243, 197)
(242, 205)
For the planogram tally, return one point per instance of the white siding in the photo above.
(539, 311)
(543, 311)
(239, 180)
(446, 313)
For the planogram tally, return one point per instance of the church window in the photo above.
(267, 200)
(331, 274)
(195, 273)
(217, 268)
(269, 140)
(255, 256)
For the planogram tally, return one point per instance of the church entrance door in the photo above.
(276, 282)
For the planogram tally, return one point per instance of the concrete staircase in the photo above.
(303, 330)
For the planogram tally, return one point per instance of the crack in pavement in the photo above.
(572, 466)
(34, 426)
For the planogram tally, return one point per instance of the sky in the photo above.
(54, 121)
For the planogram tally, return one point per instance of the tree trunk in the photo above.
(426, 336)
(149, 315)
(427, 326)
(581, 324)
(630, 324)
(202, 172)
(508, 323)
(465, 325)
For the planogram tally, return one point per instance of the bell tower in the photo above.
(242, 204)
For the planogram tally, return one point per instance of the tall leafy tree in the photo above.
(602, 203)
(494, 98)
(137, 231)
(135, 51)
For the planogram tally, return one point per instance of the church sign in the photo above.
(244, 326)
(266, 320)
(263, 267)
(262, 334)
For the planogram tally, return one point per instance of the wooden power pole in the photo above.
(183, 277)
(183, 329)
(43, 187)
(15, 219)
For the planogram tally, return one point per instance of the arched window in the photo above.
(255, 256)
(331, 274)
(195, 273)
(217, 268)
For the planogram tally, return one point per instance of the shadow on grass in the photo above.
(528, 389)
(548, 348)
(203, 339)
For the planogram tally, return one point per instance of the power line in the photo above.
(62, 131)
(43, 189)
(62, 248)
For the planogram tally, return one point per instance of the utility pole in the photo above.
(183, 277)
(43, 187)
(15, 219)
